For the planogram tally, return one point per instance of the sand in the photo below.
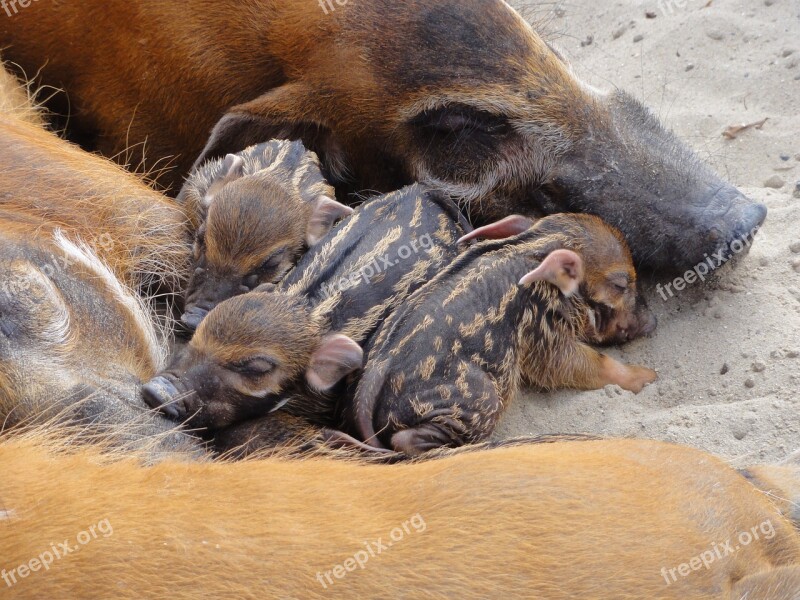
(702, 67)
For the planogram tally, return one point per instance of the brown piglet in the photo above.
(289, 347)
(254, 213)
(443, 367)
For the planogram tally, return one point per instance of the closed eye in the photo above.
(273, 261)
(253, 368)
(459, 119)
(620, 282)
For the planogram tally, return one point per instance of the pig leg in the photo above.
(470, 417)
(584, 368)
(423, 438)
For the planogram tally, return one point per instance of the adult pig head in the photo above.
(466, 95)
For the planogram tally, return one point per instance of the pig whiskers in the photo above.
(377, 433)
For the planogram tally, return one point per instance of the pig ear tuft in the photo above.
(562, 268)
(289, 112)
(508, 227)
(232, 169)
(337, 357)
(325, 213)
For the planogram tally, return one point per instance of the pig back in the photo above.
(376, 258)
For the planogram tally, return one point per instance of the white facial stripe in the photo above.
(131, 303)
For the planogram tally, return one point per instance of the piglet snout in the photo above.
(160, 394)
(192, 318)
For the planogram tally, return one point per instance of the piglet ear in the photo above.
(508, 227)
(337, 357)
(325, 213)
(232, 169)
(562, 268)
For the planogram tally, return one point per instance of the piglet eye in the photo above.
(620, 283)
(255, 367)
(273, 261)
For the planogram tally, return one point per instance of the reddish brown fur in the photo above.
(75, 340)
(595, 520)
(463, 94)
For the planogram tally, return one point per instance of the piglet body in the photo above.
(443, 367)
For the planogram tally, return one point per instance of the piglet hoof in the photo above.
(637, 378)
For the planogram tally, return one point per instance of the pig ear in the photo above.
(562, 268)
(285, 113)
(337, 357)
(508, 227)
(232, 169)
(326, 212)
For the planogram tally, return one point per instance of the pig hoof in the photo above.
(638, 378)
(420, 440)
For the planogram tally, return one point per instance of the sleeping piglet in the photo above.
(444, 365)
(254, 214)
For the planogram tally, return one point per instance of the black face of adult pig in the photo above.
(673, 210)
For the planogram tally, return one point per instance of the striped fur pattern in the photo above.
(254, 214)
(290, 163)
(443, 367)
(346, 285)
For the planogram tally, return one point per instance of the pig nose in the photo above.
(751, 218)
(734, 216)
(160, 393)
(650, 324)
(192, 318)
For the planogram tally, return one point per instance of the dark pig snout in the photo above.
(743, 219)
(192, 318)
(160, 394)
(203, 298)
(673, 210)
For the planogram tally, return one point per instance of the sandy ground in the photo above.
(702, 66)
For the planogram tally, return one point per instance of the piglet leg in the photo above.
(584, 368)
(464, 422)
